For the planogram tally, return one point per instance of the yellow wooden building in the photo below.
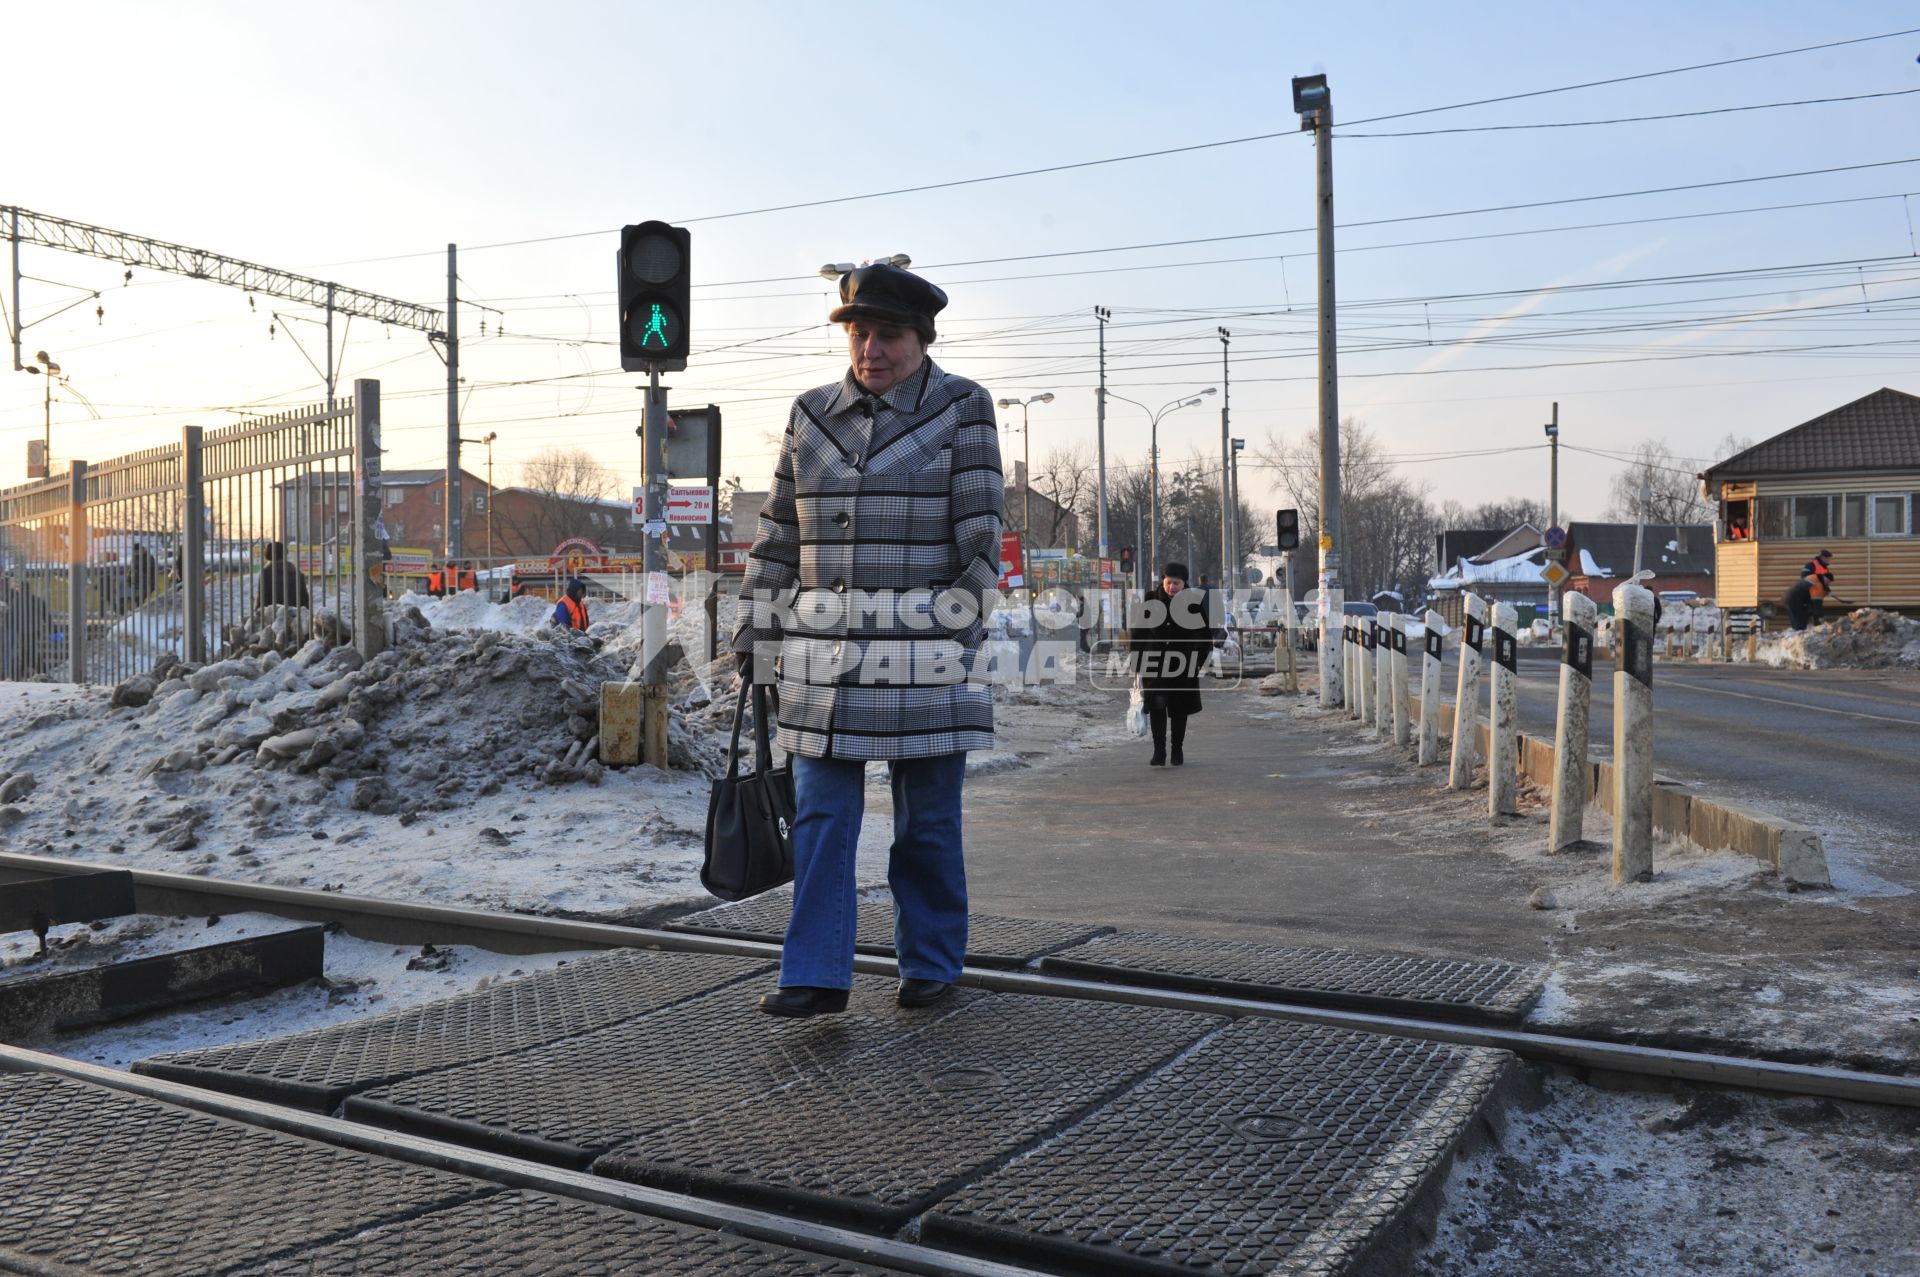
(1847, 481)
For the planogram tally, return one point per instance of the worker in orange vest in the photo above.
(434, 586)
(1819, 578)
(571, 612)
(468, 580)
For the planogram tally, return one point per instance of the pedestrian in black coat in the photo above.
(1169, 640)
(280, 581)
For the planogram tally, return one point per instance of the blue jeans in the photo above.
(926, 869)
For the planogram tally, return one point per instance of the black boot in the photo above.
(1178, 760)
(1179, 726)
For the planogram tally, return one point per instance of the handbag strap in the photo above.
(766, 704)
(733, 745)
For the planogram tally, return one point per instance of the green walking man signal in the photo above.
(656, 327)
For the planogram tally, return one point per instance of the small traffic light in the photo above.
(655, 264)
(1126, 559)
(1289, 528)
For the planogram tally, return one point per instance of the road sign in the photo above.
(690, 504)
(1555, 536)
(1556, 553)
(1555, 575)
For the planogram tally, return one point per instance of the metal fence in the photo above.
(176, 550)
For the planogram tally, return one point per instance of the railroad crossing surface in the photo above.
(1039, 1134)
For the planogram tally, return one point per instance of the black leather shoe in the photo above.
(799, 1000)
(922, 993)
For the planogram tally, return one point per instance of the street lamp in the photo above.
(48, 369)
(1026, 491)
(1153, 462)
(488, 441)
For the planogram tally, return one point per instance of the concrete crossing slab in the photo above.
(98, 1182)
(992, 941)
(318, 1069)
(1273, 1148)
(568, 1102)
(878, 1141)
(1486, 992)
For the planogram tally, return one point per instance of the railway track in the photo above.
(399, 922)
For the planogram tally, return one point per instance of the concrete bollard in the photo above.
(1349, 690)
(1503, 729)
(1572, 772)
(1466, 697)
(1382, 678)
(1432, 639)
(1362, 671)
(1402, 719)
(1333, 609)
(1633, 734)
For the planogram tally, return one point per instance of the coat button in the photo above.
(841, 519)
(839, 586)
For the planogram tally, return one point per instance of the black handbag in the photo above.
(750, 818)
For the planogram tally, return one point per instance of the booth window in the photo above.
(1853, 521)
(1811, 517)
(1888, 514)
(1775, 518)
(1737, 522)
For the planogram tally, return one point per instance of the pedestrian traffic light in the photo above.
(1126, 558)
(1289, 528)
(655, 276)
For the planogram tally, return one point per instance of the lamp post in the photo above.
(1026, 489)
(48, 369)
(1153, 463)
(488, 441)
(1313, 101)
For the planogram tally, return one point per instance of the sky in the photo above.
(353, 142)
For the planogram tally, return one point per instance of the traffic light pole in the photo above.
(653, 632)
(1332, 598)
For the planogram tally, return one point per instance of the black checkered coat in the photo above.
(873, 500)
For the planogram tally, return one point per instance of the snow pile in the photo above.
(1867, 638)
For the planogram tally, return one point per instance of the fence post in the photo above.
(1432, 637)
(78, 540)
(1503, 728)
(1572, 772)
(369, 558)
(1466, 698)
(1350, 666)
(193, 545)
(1402, 727)
(1632, 734)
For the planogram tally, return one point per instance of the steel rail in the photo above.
(391, 921)
(514, 1172)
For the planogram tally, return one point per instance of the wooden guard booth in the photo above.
(1847, 481)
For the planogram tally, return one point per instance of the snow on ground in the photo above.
(1653, 1184)
(1866, 638)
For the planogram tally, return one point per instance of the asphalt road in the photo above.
(1836, 749)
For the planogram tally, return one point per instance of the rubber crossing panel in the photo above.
(534, 1235)
(319, 1068)
(1273, 1148)
(96, 1181)
(571, 1101)
(1487, 992)
(991, 941)
(877, 1141)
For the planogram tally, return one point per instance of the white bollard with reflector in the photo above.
(1572, 772)
(1398, 625)
(1503, 727)
(1382, 678)
(1432, 650)
(1466, 698)
(1632, 734)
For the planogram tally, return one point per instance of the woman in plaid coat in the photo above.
(870, 578)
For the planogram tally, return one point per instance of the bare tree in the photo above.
(1387, 521)
(562, 484)
(1066, 479)
(1505, 515)
(1671, 492)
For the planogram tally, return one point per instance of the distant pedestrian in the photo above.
(1169, 641)
(1800, 603)
(1819, 578)
(145, 574)
(280, 581)
(571, 612)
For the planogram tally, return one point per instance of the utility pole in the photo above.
(1226, 466)
(1553, 508)
(1102, 314)
(453, 407)
(1233, 499)
(1314, 102)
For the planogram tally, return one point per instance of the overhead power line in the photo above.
(1629, 119)
(1176, 150)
